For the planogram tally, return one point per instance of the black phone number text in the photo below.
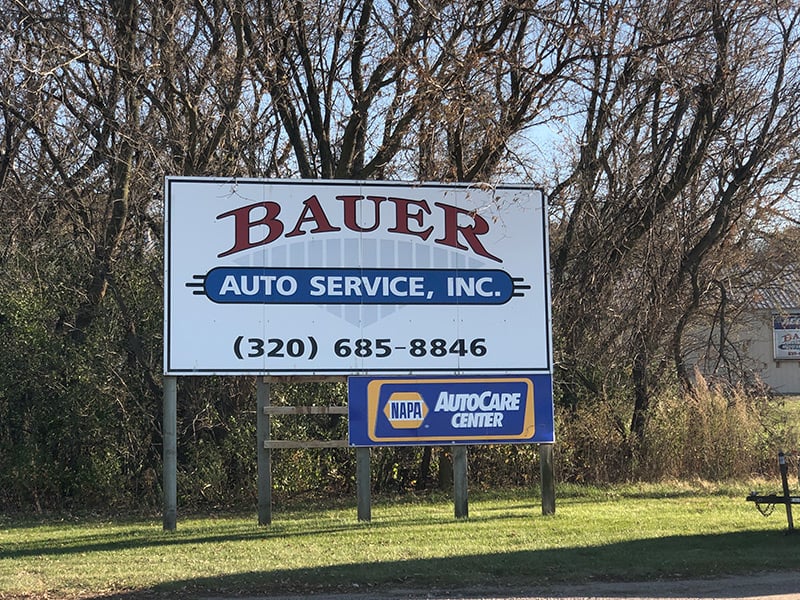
(253, 347)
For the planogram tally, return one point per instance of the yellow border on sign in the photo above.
(373, 397)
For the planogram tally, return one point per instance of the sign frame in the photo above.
(472, 230)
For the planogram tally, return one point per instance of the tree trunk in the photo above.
(641, 395)
(445, 470)
(424, 468)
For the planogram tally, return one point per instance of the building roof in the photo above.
(779, 292)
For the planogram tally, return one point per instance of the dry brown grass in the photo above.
(714, 433)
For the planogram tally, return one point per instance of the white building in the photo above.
(761, 342)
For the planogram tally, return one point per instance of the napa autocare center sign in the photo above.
(359, 278)
(416, 411)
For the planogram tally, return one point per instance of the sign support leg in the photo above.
(460, 482)
(548, 479)
(784, 469)
(170, 452)
(363, 481)
(264, 454)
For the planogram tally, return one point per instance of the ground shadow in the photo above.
(541, 573)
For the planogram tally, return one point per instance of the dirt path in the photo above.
(766, 586)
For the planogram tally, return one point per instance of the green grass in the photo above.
(620, 533)
(791, 409)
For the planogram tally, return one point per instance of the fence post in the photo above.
(363, 482)
(548, 479)
(460, 482)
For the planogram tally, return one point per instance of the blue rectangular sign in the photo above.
(412, 411)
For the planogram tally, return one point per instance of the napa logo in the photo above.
(405, 410)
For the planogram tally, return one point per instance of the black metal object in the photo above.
(773, 499)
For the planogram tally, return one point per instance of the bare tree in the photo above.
(689, 138)
(100, 100)
(677, 123)
(355, 83)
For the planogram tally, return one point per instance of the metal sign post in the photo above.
(170, 452)
(263, 453)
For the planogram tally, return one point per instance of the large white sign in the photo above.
(333, 277)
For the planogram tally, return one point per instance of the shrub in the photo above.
(714, 432)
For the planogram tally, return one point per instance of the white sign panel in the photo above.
(332, 277)
(786, 335)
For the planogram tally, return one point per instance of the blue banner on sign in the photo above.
(409, 411)
(258, 285)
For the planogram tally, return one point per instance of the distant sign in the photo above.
(450, 410)
(786, 335)
(337, 277)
